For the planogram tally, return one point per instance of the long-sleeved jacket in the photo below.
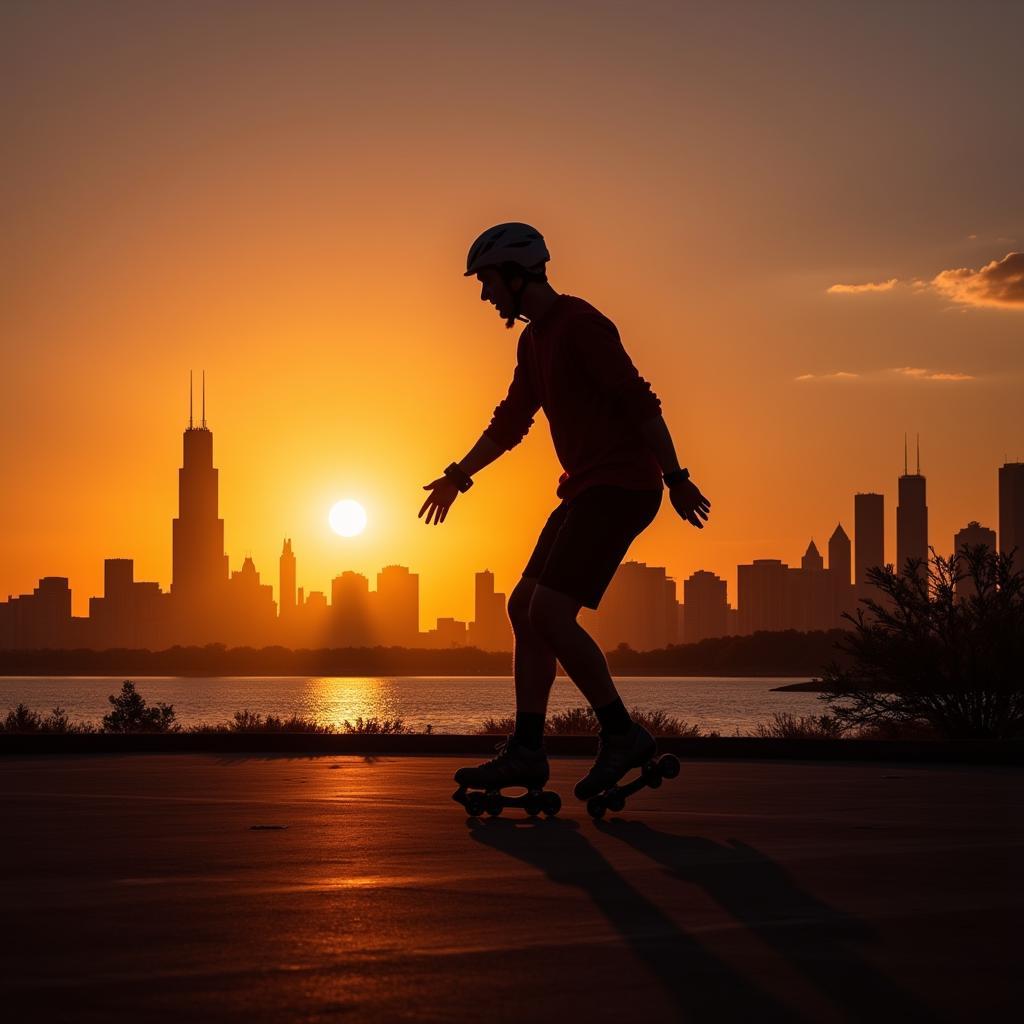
(571, 364)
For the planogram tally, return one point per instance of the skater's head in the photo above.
(507, 259)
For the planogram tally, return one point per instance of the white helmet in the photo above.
(508, 243)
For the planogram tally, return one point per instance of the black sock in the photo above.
(530, 729)
(614, 718)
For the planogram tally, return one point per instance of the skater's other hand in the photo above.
(690, 503)
(442, 493)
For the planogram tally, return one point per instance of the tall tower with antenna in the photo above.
(199, 564)
(912, 515)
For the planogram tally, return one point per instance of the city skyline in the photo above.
(207, 602)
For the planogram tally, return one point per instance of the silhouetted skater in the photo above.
(615, 450)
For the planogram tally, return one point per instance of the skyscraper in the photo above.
(397, 606)
(839, 570)
(286, 586)
(973, 535)
(350, 611)
(912, 517)
(764, 596)
(490, 629)
(707, 610)
(1011, 511)
(199, 564)
(639, 608)
(810, 592)
(868, 536)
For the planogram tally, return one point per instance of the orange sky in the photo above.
(284, 193)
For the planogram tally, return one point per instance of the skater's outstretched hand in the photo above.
(690, 503)
(442, 493)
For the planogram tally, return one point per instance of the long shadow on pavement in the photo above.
(701, 984)
(817, 939)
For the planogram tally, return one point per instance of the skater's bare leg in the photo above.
(533, 661)
(552, 615)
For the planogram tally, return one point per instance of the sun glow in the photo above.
(347, 518)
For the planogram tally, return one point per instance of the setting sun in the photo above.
(347, 518)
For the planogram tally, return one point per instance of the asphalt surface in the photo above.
(343, 888)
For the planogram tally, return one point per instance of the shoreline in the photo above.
(396, 675)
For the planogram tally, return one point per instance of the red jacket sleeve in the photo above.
(513, 416)
(612, 372)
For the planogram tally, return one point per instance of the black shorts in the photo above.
(586, 538)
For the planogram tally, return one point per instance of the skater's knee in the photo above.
(551, 611)
(519, 604)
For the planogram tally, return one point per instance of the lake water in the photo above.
(455, 705)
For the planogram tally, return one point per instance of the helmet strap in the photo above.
(526, 276)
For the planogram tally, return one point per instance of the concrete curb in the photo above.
(1010, 752)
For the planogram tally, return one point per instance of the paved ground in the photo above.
(136, 888)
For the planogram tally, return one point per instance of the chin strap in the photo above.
(526, 276)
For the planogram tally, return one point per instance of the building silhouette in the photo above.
(199, 565)
(449, 632)
(250, 615)
(39, 620)
(397, 607)
(1011, 512)
(638, 609)
(129, 614)
(972, 536)
(839, 557)
(286, 583)
(764, 597)
(350, 611)
(490, 629)
(706, 607)
(812, 599)
(912, 518)
(869, 538)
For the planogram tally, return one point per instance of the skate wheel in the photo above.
(493, 806)
(653, 780)
(552, 804)
(474, 805)
(532, 806)
(669, 766)
(615, 802)
(595, 807)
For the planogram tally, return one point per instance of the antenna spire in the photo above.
(905, 453)
(204, 399)
(918, 454)
(189, 399)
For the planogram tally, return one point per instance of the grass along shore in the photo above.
(130, 713)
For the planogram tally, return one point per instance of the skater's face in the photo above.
(494, 290)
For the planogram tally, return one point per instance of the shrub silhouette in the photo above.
(22, 719)
(785, 726)
(923, 655)
(131, 713)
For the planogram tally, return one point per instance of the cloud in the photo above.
(838, 375)
(999, 283)
(922, 373)
(860, 289)
(909, 372)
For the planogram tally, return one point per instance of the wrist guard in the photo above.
(677, 476)
(457, 477)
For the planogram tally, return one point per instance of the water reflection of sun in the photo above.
(333, 699)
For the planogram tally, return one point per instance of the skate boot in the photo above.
(616, 755)
(515, 765)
